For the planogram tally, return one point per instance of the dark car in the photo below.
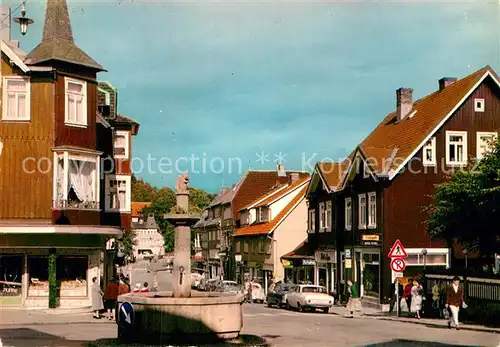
(277, 297)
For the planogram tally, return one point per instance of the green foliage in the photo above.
(52, 281)
(466, 208)
(163, 201)
(128, 242)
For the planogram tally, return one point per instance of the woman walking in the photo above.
(110, 296)
(416, 299)
(97, 304)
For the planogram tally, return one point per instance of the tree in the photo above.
(142, 191)
(466, 208)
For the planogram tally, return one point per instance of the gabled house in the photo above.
(385, 184)
(214, 231)
(50, 168)
(271, 226)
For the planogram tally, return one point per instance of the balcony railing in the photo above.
(74, 205)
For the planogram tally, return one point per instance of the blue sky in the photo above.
(225, 80)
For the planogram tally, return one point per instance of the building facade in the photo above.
(270, 227)
(379, 193)
(51, 172)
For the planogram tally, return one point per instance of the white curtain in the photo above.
(81, 179)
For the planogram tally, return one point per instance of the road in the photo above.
(278, 328)
(141, 272)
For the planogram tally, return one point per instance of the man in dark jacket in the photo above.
(454, 300)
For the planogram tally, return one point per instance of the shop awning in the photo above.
(28, 228)
(303, 251)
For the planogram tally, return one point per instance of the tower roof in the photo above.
(57, 41)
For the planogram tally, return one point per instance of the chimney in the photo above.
(281, 170)
(446, 81)
(294, 177)
(5, 23)
(404, 102)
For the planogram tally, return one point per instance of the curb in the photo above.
(436, 325)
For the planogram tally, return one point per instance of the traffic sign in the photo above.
(127, 315)
(397, 250)
(398, 265)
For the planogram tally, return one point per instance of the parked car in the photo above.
(277, 297)
(258, 294)
(231, 287)
(312, 297)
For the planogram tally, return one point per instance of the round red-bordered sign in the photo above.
(398, 265)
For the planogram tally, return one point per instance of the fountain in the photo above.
(182, 315)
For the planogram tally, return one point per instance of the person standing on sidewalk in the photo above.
(110, 296)
(394, 297)
(407, 295)
(354, 303)
(97, 304)
(454, 300)
(416, 299)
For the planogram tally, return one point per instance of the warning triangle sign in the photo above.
(397, 250)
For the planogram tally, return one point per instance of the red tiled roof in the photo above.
(280, 192)
(255, 184)
(333, 173)
(392, 138)
(266, 228)
(303, 251)
(137, 207)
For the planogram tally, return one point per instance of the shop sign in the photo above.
(348, 263)
(308, 262)
(286, 263)
(348, 254)
(370, 239)
(325, 257)
(10, 288)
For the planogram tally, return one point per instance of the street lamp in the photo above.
(465, 251)
(23, 21)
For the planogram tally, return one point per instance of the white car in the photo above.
(258, 294)
(309, 297)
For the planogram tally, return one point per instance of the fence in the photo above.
(481, 289)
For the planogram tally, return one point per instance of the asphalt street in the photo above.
(277, 327)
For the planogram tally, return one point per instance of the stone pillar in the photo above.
(182, 262)
(183, 201)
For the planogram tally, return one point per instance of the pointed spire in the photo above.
(57, 24)
(57, 41)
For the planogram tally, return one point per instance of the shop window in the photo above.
(245, 247)
(11, 267)
(237, 246)
(38, 269)
(71, 273)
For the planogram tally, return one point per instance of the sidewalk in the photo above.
(372, 313)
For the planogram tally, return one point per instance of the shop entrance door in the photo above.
(11, 269)
(323, 277)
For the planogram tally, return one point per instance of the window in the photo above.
(456, 147)
(312, 221)
(362, 211)
(328, 216)
(479, 105)
(120, 146)
(16, 99)
(269, 247)
(245, 218)
(261, 246)
(76, 180)
(217, 212)
(237, 246)
(429, 152)
(263, 214)
(372, 210)
(321, 217)
(75, 102)
(227, 212)
(197, 241)
(245, 247)
(118, 193)
(348, 213)
(483, 143)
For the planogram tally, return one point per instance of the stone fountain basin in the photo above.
(160, 318)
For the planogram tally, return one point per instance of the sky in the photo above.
(220, 87)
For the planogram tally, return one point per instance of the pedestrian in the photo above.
(97, 304)
(416, 299)
(110, 296)
(394, 297)
(454, 300)
(249, 291)
(354, 303)
(407, 295)
(436, 297)
(145, 288)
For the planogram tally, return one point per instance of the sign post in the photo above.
(397, 254)
(126, 315)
